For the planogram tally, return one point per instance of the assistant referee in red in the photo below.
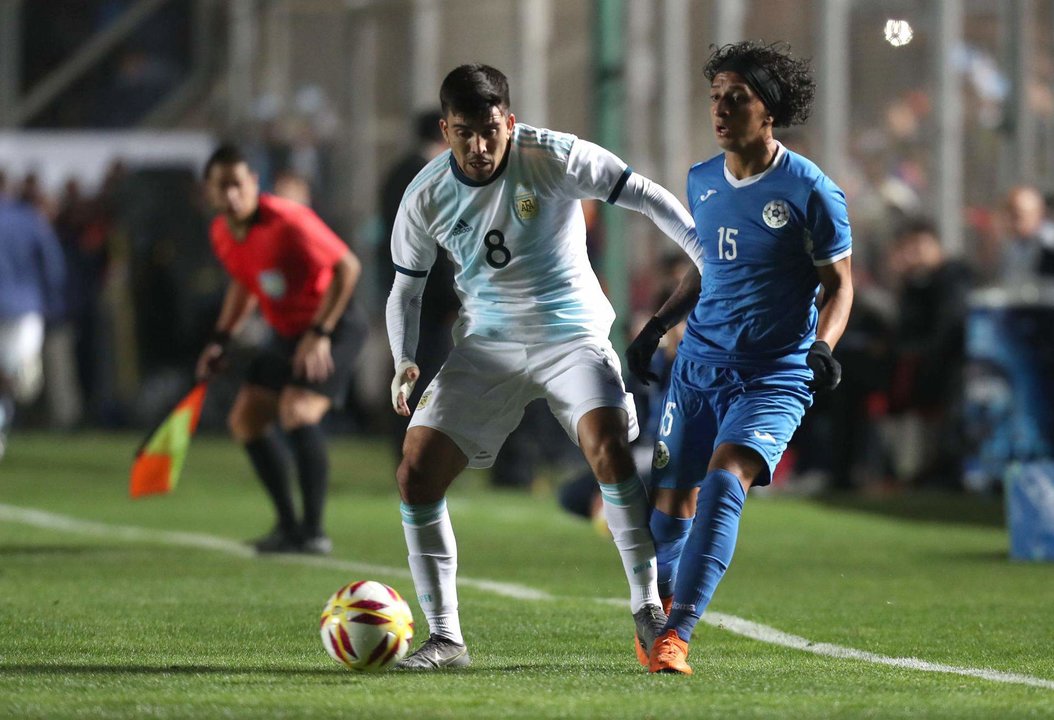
(283, 259)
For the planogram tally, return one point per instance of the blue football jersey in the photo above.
(762, 239)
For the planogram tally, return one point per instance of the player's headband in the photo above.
(758, 78)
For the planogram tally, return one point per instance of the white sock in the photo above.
(626, 510)
(433, 565)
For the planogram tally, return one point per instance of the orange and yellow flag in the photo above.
(159, 459)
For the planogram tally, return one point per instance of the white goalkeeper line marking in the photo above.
(731, 623)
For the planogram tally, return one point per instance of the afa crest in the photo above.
(526, 205)
(423, 402)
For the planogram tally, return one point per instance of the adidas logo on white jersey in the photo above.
(460, 228)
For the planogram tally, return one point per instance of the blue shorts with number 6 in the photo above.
(707, 406)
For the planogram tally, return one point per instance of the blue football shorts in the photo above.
(707, 406)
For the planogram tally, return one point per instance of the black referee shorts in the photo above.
(272, 368)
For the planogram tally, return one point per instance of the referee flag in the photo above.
(159, 460)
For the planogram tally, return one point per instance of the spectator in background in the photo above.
(844, 431)
(1026, 251)
(138, 80)
(293, 186)
(86, 226)
(440, 305)
(428, 143)
(32, 276)
(929, 355)
(32, 194)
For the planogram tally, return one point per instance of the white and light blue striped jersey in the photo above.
(762, 239)
(518, 240)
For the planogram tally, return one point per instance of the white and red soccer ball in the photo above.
(367, 626)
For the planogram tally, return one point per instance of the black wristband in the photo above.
(657, 324)
(220, 337)
(321, 331)
(821, 345)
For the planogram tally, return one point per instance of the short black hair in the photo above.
(428, 129)
(472, 90)
(793, 75)
(225, 154)
(917, 225)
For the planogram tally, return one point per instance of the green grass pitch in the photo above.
(97, 621)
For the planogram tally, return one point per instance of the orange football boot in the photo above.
(638, 646)
(669, 654)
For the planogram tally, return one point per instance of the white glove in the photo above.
(406, 374)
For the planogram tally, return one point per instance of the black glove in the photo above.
(213, 357)
(639, 352)
(826, 371)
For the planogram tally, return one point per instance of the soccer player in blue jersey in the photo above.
(774, 232)
(505, 203)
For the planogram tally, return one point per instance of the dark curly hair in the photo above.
(793, 75)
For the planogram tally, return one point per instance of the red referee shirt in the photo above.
(286, 260)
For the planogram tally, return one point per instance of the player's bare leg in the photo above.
(431, 461)
(604, 438)
(300, 411)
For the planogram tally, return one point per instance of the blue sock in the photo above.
(669, 533)
(708, 551)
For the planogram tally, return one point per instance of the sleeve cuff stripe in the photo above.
(619, 185)
(411, 273)
(833, 259)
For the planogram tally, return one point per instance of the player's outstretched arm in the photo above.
(402, 317)
(596, 172)
(673, 311)
(661, 207)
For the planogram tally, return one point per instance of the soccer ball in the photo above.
(367, 626)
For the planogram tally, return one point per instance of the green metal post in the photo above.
(609, 89)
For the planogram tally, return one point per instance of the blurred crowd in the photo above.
(130, 290)
(127, 287)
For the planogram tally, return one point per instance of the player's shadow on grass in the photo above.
(74, 669)
(14, 550)
(976, 557)
(930, 506)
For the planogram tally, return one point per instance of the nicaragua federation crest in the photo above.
(776, 213)
(662, 455)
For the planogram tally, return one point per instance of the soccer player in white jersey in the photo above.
(774, 230)
(504, 202)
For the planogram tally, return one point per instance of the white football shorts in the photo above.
(21, 340)
(479, 394)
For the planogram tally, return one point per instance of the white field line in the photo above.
(731, 623)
